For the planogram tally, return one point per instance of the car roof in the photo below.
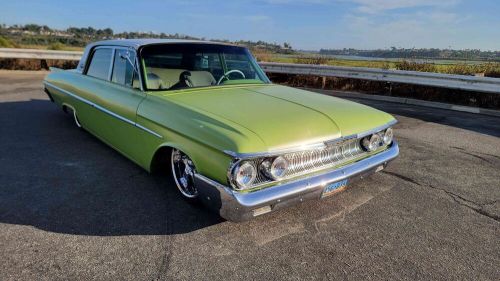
(137, 43)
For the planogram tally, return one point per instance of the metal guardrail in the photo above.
(461, 82)
(39, 54)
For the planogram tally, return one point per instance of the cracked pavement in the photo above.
(73, 208)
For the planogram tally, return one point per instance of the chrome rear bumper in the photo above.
(237, 206)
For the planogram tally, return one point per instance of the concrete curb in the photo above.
(440, 105)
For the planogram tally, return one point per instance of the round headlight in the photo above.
(245, 174)
(372, 142)
(388, 135)
(278, 167)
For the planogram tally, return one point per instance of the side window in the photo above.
(123, 71)
(99, 65)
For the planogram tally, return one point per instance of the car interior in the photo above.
(168, 78)
(175, 71)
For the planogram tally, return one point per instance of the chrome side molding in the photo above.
(98, 107)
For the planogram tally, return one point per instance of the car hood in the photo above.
(282, 117)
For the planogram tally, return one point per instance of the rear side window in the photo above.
(99, 65)
(123, 71)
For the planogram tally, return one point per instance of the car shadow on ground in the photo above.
(59, 178)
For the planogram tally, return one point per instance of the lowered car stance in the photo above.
(206, 113)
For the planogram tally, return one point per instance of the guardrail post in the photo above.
(44, 65)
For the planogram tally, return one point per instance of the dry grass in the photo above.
(58, 46)
(414, 66)
(486, 69)
(61, 47)
(311, 60)
(6, 43)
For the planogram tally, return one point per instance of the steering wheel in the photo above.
(229, 72)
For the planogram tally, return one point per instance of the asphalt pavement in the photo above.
(73, 208)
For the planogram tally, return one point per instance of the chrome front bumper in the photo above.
(237, 206)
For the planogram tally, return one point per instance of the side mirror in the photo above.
(126, 56)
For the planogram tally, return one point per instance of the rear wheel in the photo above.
(183, 171)
(77, 121)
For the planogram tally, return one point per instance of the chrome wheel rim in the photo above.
(183, 171)
(76, 119)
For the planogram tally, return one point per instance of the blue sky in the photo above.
(306, 24)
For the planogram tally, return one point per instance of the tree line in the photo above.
(34, 34)
(413, 53)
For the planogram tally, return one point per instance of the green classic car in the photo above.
(207, 113)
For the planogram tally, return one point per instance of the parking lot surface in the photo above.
(73, 208)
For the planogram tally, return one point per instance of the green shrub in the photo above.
(6, 43)
(311, 60)
(262, 55)
(463, 69)
(56, 46)
(492, 70)
(487, 69)
(416, 66)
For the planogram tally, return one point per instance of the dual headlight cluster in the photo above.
(246, 172)
(373, 142)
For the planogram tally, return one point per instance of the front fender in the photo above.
(202, 137)
(207, 161)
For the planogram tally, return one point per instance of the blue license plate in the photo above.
(334, 187)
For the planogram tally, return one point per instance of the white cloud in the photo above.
(257, 18)
(301, 2)
(376, 6)
(404, 23)
(444, 17)
(417, 29)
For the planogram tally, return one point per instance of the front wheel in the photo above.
(183, 171)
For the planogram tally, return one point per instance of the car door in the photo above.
(116, 95)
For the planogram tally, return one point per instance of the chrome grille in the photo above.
(316, 159)
(307, 161)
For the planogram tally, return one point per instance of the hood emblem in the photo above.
(338, 141)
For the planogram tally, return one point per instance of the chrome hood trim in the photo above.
(319, 145)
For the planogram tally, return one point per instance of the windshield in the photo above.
(180, 66)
